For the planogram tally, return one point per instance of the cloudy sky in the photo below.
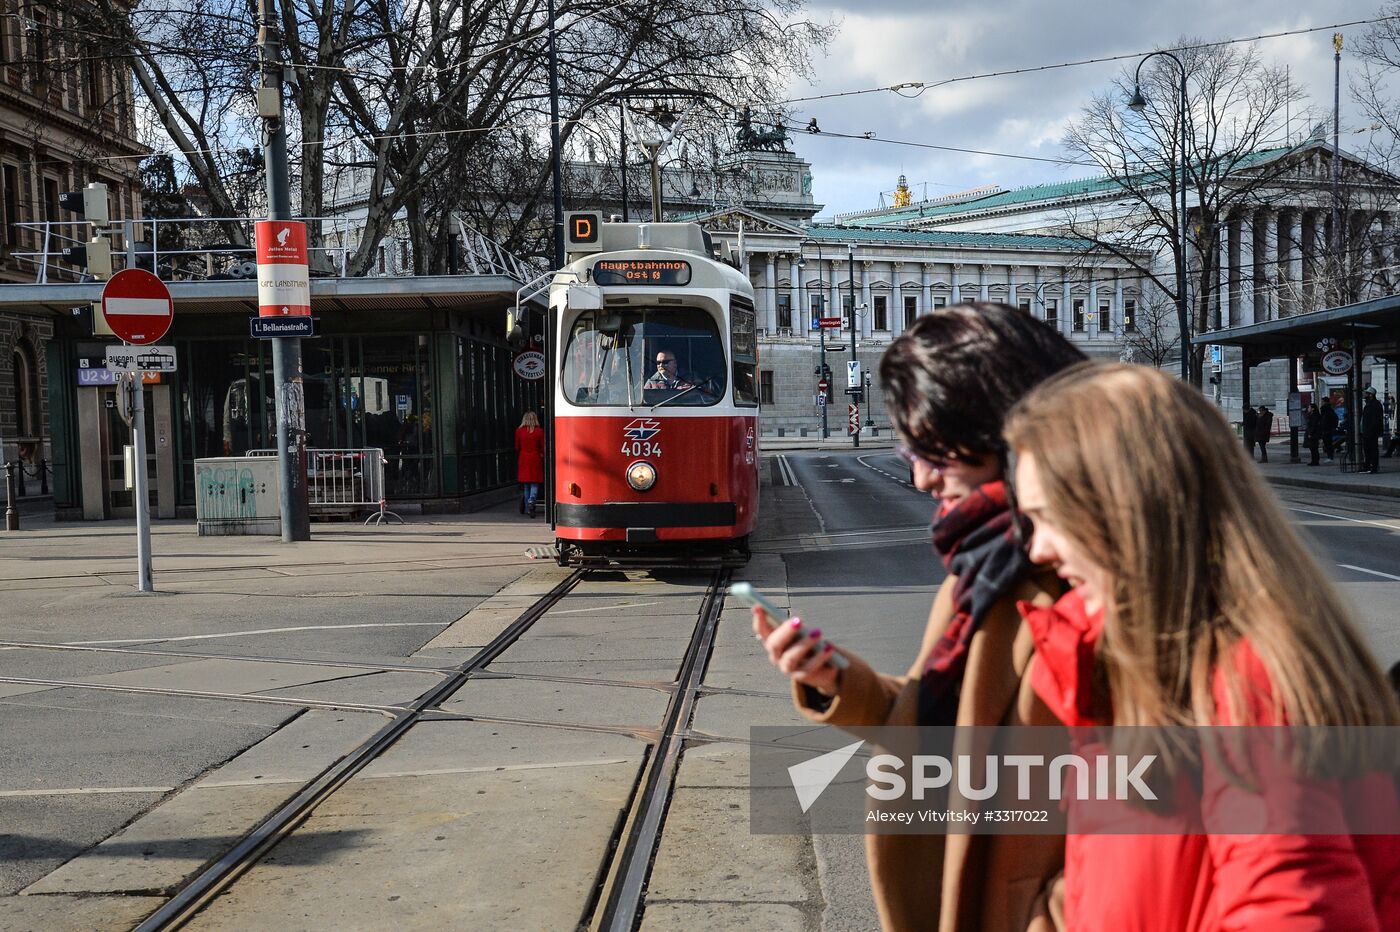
(885, 42)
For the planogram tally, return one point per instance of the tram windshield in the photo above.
(644, 356)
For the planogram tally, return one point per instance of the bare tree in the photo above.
(434, 107)
(1155, 339)
(1235, 109)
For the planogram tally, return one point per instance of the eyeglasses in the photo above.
(666, 361)
(910, 457)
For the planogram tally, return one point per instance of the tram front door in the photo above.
(105, 436)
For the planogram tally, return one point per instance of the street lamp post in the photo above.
(851, 290)
(821, 331)
(1138, 104)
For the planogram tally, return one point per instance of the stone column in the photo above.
(926, 285)
(1066, 306)
(770, 290)
(956, 297)
(1246, 304)
(1041, 275)
(1011, 285)
(1386, 248)
(1093, 325)
(1222, 278)
(1317, 259)
(868, 324)
(1295, 262)
(983, 285)
(895, 317)
(1117, 320)
(1266, 270)
(833, 301)
(799, 315)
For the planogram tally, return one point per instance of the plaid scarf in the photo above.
(977, 541)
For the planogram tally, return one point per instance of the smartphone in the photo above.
(750, 596)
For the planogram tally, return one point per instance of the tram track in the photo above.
(618, 899)
(218, 876)
(621, 897)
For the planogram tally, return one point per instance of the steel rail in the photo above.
(620, 900)
(214, 879)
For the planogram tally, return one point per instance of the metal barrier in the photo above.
(344, 481)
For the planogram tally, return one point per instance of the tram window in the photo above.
(611, 358)
(743, 346)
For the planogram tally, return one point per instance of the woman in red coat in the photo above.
(529, 460)
(1194, 604)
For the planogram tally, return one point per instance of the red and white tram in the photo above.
(656, 396)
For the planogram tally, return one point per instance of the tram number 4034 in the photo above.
(641, 448)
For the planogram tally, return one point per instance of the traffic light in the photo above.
(824, 371)
(94, 256)
(90, 203)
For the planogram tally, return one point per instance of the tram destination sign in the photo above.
(641, 272)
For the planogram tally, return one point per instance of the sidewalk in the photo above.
(772, 444)
(1280, 471)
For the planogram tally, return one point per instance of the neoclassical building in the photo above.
(1273, 248)
(889, 277)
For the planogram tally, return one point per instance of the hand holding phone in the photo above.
(747, 594)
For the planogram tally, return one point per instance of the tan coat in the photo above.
(988, 882)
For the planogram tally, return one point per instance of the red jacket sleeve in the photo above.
(1279, 881)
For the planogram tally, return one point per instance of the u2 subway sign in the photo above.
(641, 272)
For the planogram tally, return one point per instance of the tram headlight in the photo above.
(641, 476)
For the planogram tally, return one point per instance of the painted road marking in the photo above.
(785, 469)
(1324, 514)
(88, 791)
(903, 482)
(1362, 569)
(239, 634)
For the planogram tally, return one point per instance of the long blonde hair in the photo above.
(529, 420)
(1146, 476)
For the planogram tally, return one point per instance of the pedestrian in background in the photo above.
(1372, 421)
(1247, 424)
(1195, 603)
(1343, 438)
(949, 381)
(529, 461)
(1329, 430)
(1313, 433)
(1263, 430)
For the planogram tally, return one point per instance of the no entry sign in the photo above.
(284, 281)
(137, 306)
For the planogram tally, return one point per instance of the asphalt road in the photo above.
(872, 588)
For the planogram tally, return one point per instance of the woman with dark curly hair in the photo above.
(949, 382)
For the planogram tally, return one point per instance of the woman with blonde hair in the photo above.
(1194, 603)
(529, 461)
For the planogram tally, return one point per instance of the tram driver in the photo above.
(668, 373)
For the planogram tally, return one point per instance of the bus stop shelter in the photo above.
(418, 367)
(1370, 328)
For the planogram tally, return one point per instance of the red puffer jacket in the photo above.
(1204, 883)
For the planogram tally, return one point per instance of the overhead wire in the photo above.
(919, 87)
